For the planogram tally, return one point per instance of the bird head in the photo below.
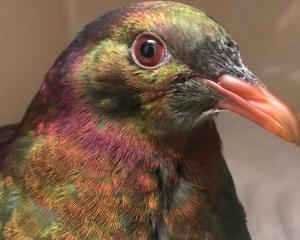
(169, 66)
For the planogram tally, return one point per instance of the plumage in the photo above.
(112, 148)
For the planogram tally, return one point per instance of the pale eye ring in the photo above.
(148, 50)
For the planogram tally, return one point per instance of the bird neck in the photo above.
(196, 154)
(193, 156)
(200, 159)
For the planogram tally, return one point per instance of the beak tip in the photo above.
(295, 131)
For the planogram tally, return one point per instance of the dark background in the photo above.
(266, 170)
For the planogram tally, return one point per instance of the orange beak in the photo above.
(257, 104)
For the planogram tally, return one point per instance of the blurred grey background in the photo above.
(266, 170)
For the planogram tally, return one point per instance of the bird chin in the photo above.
(210, 114)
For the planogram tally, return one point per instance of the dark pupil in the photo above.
(148, 49)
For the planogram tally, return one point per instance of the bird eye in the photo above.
(148, 51)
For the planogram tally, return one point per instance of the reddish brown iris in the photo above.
(148, 50)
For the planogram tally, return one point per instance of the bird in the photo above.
(120, 141)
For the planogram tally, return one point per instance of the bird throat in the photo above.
(106, 172)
